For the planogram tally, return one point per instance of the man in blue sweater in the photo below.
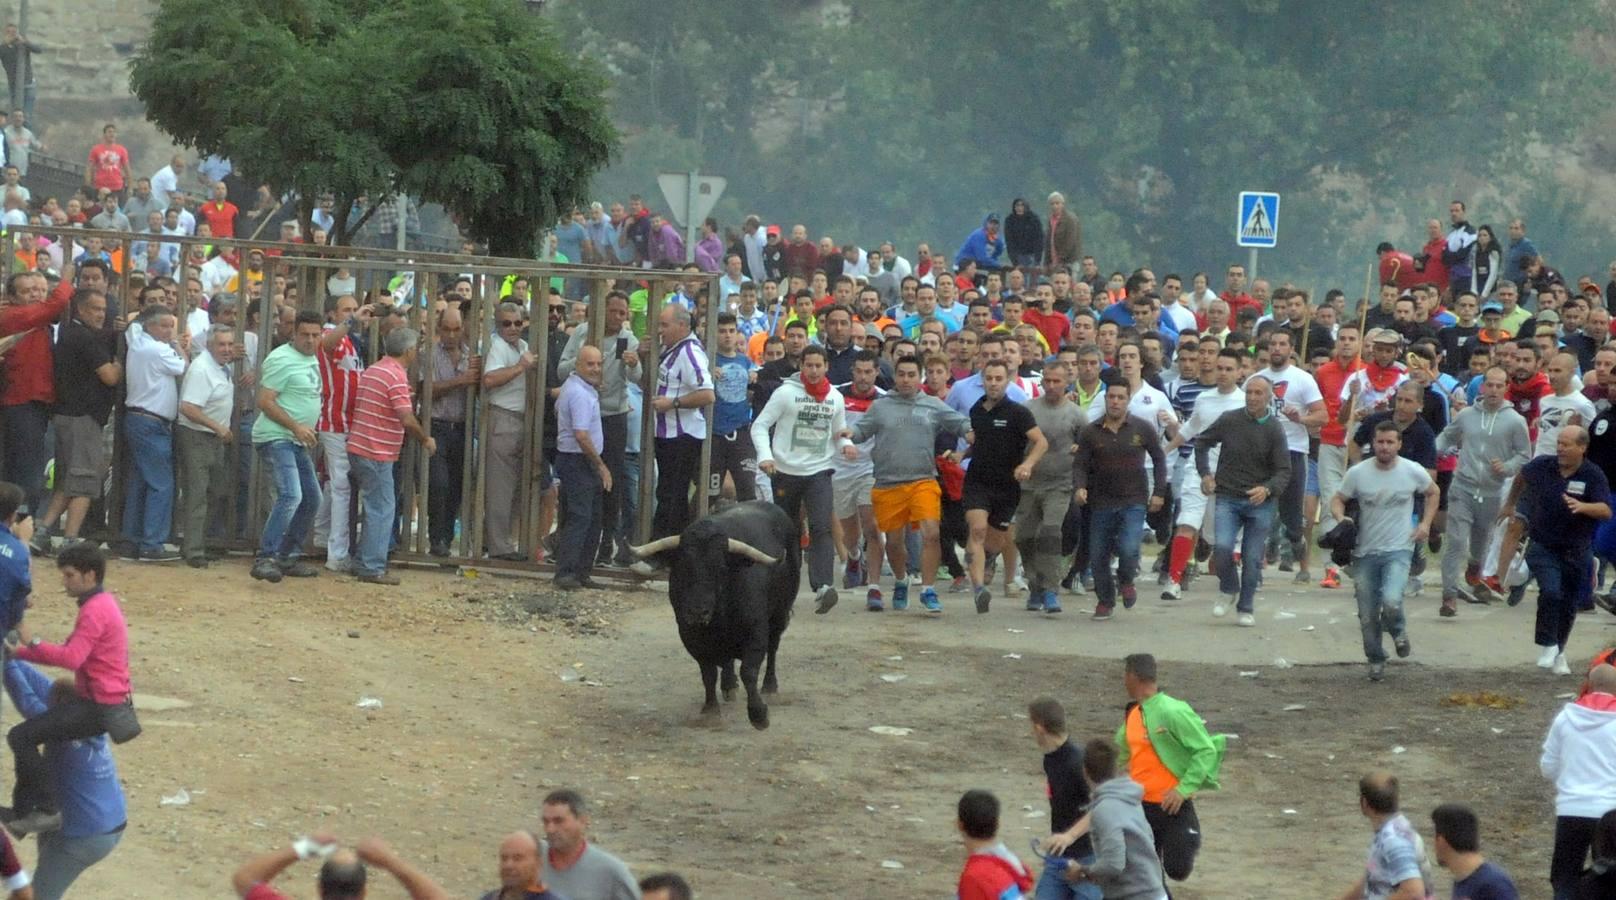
(86, 785)
(984, 246)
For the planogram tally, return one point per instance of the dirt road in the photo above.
(493, 691)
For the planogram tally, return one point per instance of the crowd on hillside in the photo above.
(1008, 412)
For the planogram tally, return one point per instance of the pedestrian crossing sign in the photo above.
(1258, 225)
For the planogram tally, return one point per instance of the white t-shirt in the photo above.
(1209, 407)
(1293, 387)
(1145, 403)
(512, 395)
(1385, 503)
(1183, 317)
(1554, 413)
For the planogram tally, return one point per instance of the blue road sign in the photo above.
(1258, 225)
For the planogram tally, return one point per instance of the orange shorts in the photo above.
(906, 504)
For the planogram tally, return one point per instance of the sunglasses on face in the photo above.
(510, 323)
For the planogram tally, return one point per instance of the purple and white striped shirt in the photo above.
(684, 370)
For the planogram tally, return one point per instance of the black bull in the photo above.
(732, 578)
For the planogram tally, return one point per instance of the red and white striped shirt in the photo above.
(380, 402)
(339, 376)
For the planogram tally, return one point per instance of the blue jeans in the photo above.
(1378, 580)
(582, 492)
(1560, 578)
(1052, 885)
(63, 859)
(297, 497)
(148, 497)
(244, 470)
(1230, 515)
(377, 500)
(1114, 532)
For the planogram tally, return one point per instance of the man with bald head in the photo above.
(1398, 868)
(1577, 758)
(454, 369)
(519, 870)
(1563, 498)
(342, 876)
(1565, 406)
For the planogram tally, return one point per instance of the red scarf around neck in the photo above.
(817, 391)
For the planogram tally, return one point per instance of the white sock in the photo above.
(902, 582)
(926, 587)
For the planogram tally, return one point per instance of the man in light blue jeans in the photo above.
(93, 807)
(1251, 522)
(1384, 488)
(289, 403)
(1253, 466)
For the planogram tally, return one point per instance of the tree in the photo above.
(910, 119)
(472, 104)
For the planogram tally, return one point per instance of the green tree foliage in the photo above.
(913, 118)
(469, 103)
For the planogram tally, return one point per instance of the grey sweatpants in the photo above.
(1471, 511)
(1038, 535)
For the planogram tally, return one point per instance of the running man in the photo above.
(808, 420)
(1008, 445)
(1048, 493)
(906, 494)
(1111, 474)
(853, 480)
(1195, 513)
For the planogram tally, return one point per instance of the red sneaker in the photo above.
(1332, 577)
(1473, 574)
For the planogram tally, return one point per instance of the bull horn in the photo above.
(750, 552)
(671, 542)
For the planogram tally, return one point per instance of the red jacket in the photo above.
(1236, 301)
(988, 876)
(1397, 268)
(1524, 396)
(1435, 271)
(27, 368)
(801, 259)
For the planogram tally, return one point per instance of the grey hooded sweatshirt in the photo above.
(905, 431)
(1480, 437)
(1125, 864)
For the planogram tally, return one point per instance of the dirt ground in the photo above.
(495, 690)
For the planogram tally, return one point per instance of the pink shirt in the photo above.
(376, 430)
(97, 651)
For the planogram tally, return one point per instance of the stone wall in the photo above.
(83, 75)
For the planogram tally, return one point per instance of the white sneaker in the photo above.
(644, 568)
(1171, 591)
(1219, 609)
(1018, 585)
(341, 566)
(1560, 665)
(1546, 658)
(1247, 620)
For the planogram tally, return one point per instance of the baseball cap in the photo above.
(1547, 316)
(1492, 306)
(774, 230)
(1384, 336)
(872, 331)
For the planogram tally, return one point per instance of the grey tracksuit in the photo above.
(1480, 437)
(1125, 864)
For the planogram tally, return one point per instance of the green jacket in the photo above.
(1180, 739)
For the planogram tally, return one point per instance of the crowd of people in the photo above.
(1008, 413)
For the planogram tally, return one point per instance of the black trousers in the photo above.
(446, 465)
(678, 465)
(72, 720)
(952, 533)
(1573, 835)
(1178, 838)
(614, 432)
(1291, 500)
(734, 454)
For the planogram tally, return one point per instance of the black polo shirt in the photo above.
(1419, 441)
(79, 351)
(1001, 441)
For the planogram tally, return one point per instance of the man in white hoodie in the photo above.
(808, 418)
(1577, 758)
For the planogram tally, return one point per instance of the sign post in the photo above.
(690, 197)
(1257, 226)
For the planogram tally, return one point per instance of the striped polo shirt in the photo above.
(339, 377)
(683, 370)
(379, 404)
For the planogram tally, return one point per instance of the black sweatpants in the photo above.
(1178, 838)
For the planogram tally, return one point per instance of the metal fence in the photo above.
(305, 269)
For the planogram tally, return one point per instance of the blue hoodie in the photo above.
(977, 247)
(86, 778)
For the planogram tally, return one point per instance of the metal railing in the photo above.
(305, 268)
